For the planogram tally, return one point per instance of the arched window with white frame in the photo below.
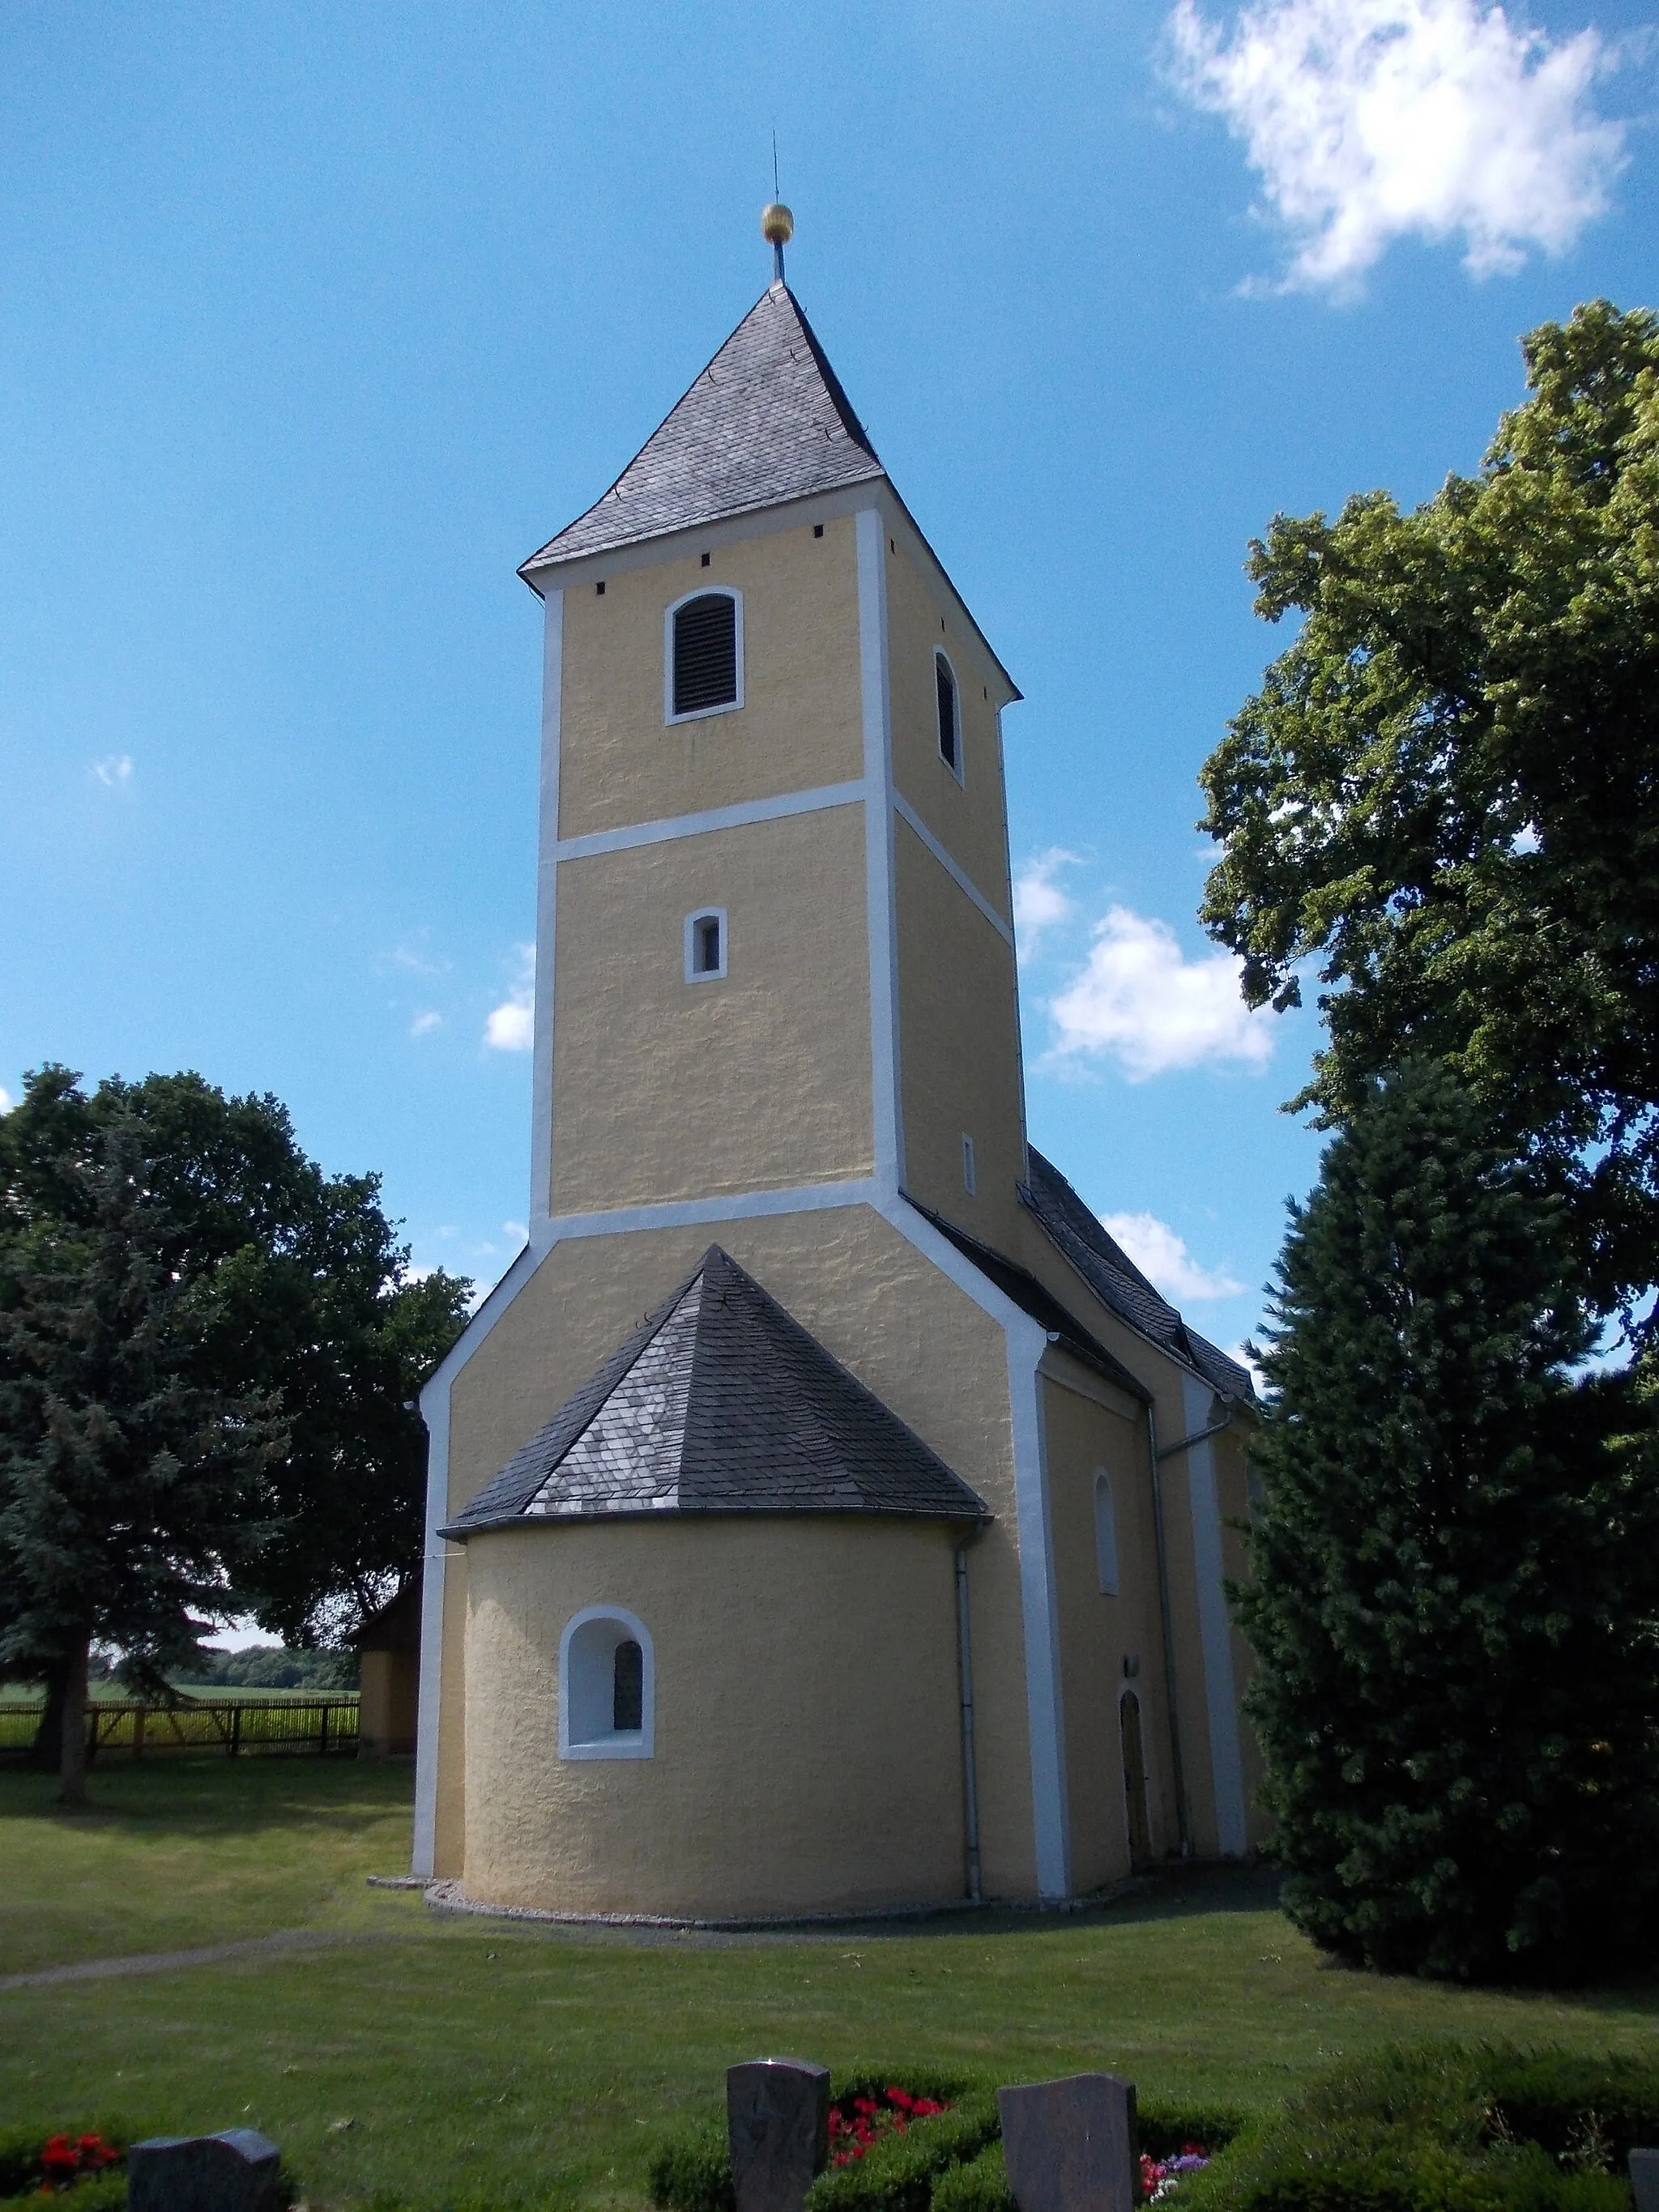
(950, 714)
(607, 1685)
(702, 654)
(1105, 1534)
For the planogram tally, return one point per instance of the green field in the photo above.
(511, 2064)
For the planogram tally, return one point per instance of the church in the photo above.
(825, 1515)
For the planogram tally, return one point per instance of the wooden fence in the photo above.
(316, 1725)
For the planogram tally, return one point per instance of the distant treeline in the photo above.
(274, 1669)
(268, 1667)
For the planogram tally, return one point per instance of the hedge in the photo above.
(954, 2158)
(1443, 2128)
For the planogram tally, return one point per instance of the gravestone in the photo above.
(1644, 2179)
(777, 2122)
(1069, 2146)
(234, 2171)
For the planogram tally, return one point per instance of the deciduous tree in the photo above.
(1446, 792)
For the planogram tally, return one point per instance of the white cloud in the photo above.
(511, 1026)
(114, 769)
(7, 1102)
(1139, 1001)
(1158, 1252)
(1241, 1352)
(1040, 904)
(516, 1230)
(423, 1024)
(1369, 120)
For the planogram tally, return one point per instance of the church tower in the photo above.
(814, 1434)
(776, 940)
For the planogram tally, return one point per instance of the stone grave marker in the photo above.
(1070, 2145)
(236, 2170)
(1644, 2179)
(777, 2122)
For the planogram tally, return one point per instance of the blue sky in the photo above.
(315, 321)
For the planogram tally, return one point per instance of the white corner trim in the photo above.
(693, 973)
(714, 817)
(434, 1412)
(1040, 1611)
(692, 1212)
(642, 1745)
(1027, 1342)
(424, 1855)
(547, 908)
(1220, 1699)
(870, 532)
(727, 706)
(957, 875)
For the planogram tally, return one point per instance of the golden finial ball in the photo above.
(777, 224)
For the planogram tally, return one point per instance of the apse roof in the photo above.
(766, 422)
(720, 1402)
(1119, 1283)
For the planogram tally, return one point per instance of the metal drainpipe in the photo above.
(1183, 1820)
(969, 1775)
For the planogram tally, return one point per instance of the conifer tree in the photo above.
(129, 1490)
(1454, 1574)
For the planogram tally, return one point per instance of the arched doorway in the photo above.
(1134, 1780)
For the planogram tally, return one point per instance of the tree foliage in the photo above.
(129, 1487)
(298, 1293)
(1447, 791)
(1454, 1574)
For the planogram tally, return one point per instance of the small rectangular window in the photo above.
(968, 1165)
(705, 945)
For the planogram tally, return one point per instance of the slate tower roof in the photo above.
(720, 1402)
(767, 421)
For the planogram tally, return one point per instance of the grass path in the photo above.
(516, 2064)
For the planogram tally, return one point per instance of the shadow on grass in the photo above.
(206, 1796)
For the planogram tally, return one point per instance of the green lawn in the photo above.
(516, 2063)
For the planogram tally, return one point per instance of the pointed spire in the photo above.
(766, 422)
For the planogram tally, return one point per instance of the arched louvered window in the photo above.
(950, 716)
(704, 654)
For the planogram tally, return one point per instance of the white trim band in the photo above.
(903, 807)
(691, 1212)
(714, 817)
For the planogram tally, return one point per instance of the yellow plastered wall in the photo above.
(959, 1049)
(882, 1309)
(758, 1079)
(806, 1752)
(967, 817)
(1163, 1377)
(800, 725)
(1098, 1631)
(386, 1702)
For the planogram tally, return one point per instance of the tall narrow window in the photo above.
(705, 655)
(705, 945)
(1105, 1533)
(628, 1688)
(950, 716)
(968, 1165)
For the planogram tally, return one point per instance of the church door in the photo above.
(1134, 1779)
